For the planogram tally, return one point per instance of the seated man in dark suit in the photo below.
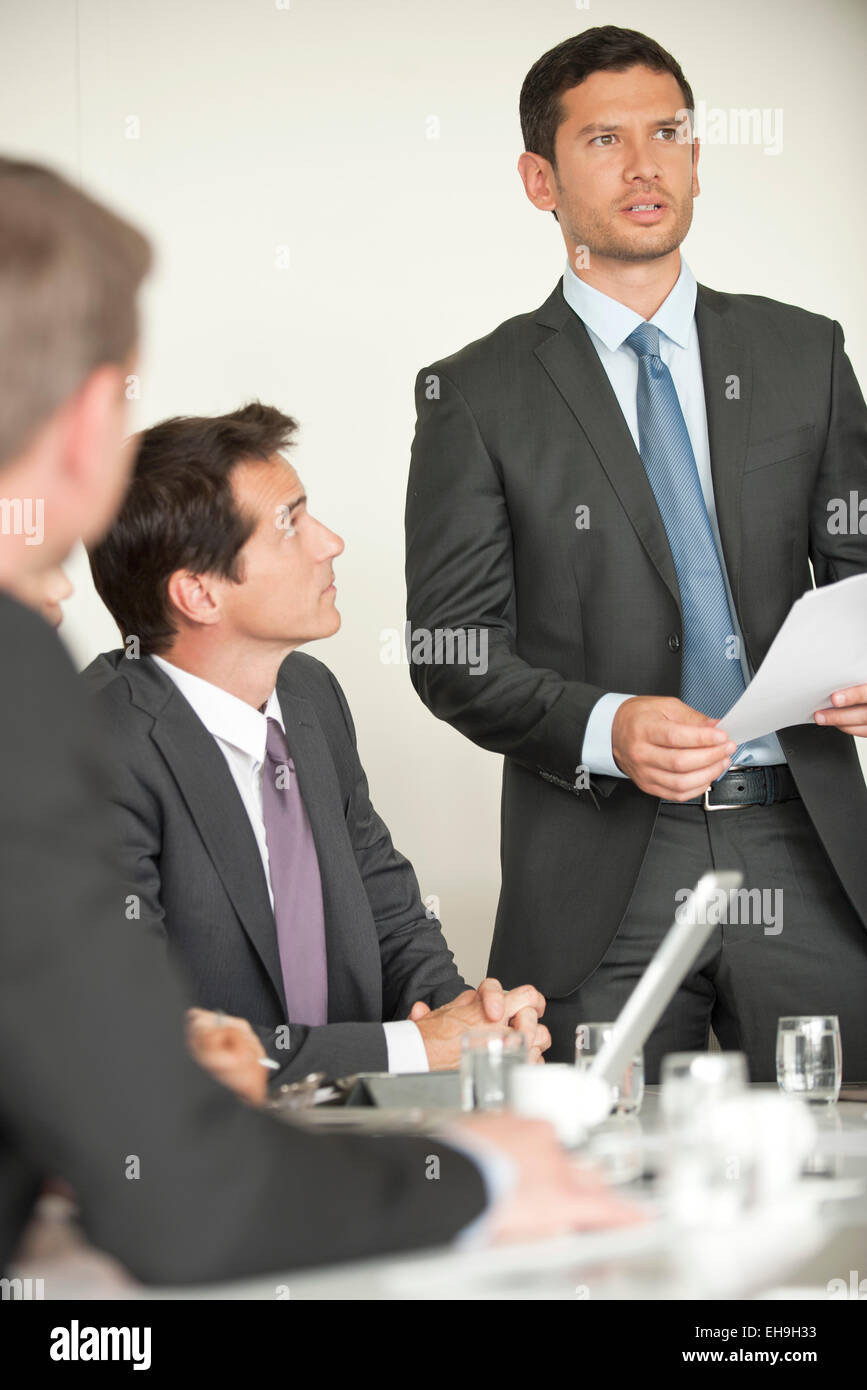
(246, 833)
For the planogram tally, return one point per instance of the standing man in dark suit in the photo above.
(618, 496)
(244, 828)
(174, 1176)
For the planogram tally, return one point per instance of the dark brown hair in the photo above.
(180, 513)
(69, 275)
(604, 49)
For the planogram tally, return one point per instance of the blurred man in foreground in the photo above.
(173, 1176)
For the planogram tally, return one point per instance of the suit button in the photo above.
(674, 643)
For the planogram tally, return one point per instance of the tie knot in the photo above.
(644, 340)
(276, 747)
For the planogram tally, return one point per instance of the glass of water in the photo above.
(629, 1091)
(487, 1058)
(810, 1057)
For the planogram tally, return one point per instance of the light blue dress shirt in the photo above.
(609, 324)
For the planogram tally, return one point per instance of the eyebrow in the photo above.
(605, 128)
(290, 507)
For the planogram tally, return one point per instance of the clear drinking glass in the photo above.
(810, 1057)
(486, 1060)
(691, 1081)
(629, 1091)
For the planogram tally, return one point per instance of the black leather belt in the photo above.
(747, 786)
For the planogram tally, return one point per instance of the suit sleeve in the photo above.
(336, 1049)
(460, 576)
(416, 962)
(839, 551)
(176, 1178)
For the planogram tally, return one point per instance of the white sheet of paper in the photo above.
(821, 647)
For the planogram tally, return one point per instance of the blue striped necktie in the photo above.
(711, 680)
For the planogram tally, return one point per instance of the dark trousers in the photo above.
(797, 947)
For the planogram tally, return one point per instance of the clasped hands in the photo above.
(489, 1006)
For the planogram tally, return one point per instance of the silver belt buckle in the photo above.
(725, 805)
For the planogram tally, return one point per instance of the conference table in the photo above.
(812, 1245)
(809, 1244)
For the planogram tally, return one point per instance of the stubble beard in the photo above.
(602, 239)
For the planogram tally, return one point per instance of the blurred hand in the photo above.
(668, 749)
(489, 1006)
(228, 1048)
(848, 711)
(552, 1195)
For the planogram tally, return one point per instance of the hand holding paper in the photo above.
(820, 649)
(848, 711)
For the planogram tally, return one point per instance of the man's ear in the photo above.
(194, 598)
(92, 457)
(540, 185)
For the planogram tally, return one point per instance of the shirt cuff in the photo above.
(405, 1047)
(499, 1174)
(596, 754)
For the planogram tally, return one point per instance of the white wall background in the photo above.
(307, 126)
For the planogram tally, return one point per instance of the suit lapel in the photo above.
(346, 910)
(212, 800)
(726, 369)
(573, 365)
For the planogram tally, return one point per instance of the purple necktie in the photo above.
(296, 885)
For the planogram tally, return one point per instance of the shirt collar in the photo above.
(223, 714)
(613, 322)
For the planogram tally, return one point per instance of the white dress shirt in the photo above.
(240, 732)
(609, 323)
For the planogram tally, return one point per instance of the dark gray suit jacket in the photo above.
(94, 1067)
(187, 849)
(515, 432)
